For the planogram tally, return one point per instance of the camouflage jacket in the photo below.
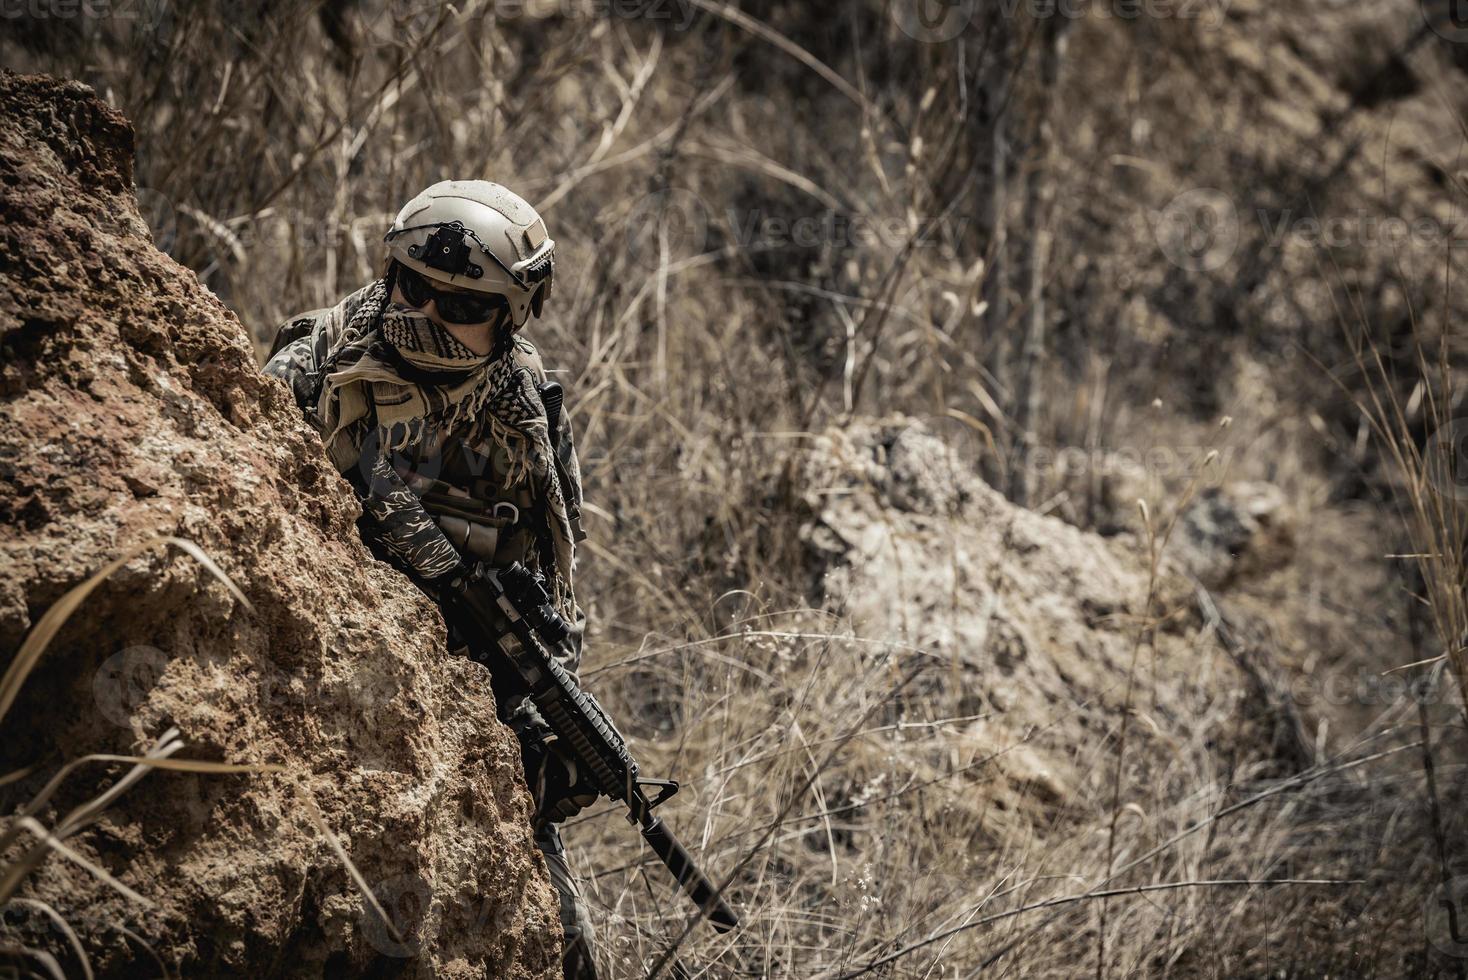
(447, 498)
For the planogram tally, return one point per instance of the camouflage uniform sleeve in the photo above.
(396, 521)
(298, 364)
(302, 343)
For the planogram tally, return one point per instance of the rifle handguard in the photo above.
(577, 717)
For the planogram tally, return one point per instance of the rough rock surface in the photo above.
(131, 406)
(1040, 619)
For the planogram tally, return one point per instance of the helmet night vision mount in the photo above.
(478, 236)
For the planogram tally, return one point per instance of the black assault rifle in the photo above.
(584, 728)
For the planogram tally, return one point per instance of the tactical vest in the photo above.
(460, 478)
(461, 484)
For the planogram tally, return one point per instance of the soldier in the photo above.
(442, 418)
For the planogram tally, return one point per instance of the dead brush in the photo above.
(908, 858)
(1430, 486)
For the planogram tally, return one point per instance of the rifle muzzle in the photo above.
(699, 888)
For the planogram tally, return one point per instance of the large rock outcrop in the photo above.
(1044, 625)
(131, 406)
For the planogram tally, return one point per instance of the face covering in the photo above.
(427, 345)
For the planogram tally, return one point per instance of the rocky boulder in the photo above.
(1043, 626)
(1236, 531)
(131, 406)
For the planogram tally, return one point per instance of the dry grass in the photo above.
(18, 859)
(863, 833)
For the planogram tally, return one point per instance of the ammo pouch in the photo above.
(472, 526)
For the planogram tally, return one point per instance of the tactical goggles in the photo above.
(452, 306)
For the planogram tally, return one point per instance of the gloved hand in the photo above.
(560, 789)
(467, 603)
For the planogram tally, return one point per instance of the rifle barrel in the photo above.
(699, 888)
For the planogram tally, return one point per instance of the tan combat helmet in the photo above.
(477, 235)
